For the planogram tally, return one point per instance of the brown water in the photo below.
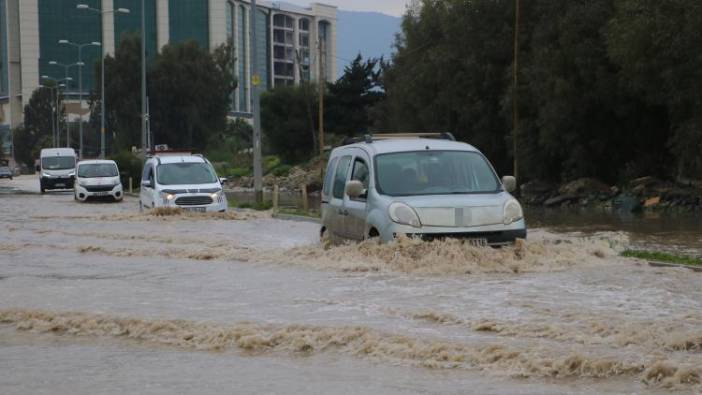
(99, 298)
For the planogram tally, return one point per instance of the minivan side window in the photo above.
(360, 173)
(340, 177)
(329, 177)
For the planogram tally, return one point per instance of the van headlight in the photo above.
(512, 212)
(167, 197)
(403, 214)
(217, 196)
(47, 175)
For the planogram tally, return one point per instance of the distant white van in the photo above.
(57, 167)
(98, 179)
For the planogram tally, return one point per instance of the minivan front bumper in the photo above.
(492, 234)
(59, 182)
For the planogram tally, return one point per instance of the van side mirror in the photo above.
(146, 184)
(354, 189)
(222, 180)
(510, 183)
(38, 168)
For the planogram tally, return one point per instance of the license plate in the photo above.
(195, 209)
(100, 194)
(60, 185)
(478, 242)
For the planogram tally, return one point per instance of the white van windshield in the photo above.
(186, 173)
(58, 162)
(97, 170)
(434, 173)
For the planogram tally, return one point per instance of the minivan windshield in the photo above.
(186, 173)
(434, 173)
(95, 170)
(58, 162)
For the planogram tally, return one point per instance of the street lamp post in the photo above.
(54, 89)
(102, 71)
(55, 119)
(80, 85)
(66, 78)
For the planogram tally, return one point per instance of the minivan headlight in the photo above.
(404, 215)
(167, 197)
(217, 196)
(512, 212)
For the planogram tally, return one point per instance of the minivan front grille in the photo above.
(193, 201)
(99, 188)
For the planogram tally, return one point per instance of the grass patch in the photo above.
(662, 257)
(264, 206)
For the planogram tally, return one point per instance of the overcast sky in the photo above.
(390, 7)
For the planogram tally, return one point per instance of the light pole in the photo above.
(102, 71)
(144, 110)
(54, 106)
(80, 85)
(256, 109)
(67, 78)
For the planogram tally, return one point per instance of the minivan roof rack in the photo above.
(370, 138)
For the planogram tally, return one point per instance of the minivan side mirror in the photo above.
(222, 180)
(146, 184)
(510, 183)
(354, 189)
(38, 168)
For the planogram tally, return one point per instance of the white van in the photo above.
(181, 180)
(98, 179)
(57, 167)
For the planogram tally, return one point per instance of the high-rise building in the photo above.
(288, 42)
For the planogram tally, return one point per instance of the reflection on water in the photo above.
(681, 231)
(677, 231)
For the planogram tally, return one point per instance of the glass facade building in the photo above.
(287, 42)
(59, 20)
(189, 20)
(3, 50)
(131, 24)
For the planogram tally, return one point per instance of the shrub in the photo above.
(129, 165)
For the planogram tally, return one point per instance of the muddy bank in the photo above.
(303, 340)
(645, 193)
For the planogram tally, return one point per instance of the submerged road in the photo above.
(98, 298)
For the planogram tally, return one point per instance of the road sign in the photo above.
(256, 80)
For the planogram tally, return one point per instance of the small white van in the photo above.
(181, 180)
(98, 179)
(57, 167)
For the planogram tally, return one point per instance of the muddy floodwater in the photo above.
(98, 298)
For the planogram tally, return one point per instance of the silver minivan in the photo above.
(419, 185)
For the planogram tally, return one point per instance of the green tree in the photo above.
(656, 42)
(285, 122)
(352, 97)
(36, 133)
(123, 94)
(191, 93)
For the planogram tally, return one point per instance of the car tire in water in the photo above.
(325, 239)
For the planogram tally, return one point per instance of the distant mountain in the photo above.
(370, 33)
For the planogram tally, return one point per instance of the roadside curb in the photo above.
(296, 218)
(680, 265)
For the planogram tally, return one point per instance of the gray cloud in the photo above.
(390, 7)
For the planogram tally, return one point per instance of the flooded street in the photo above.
(99, 296)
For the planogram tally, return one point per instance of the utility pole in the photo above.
(515, 89)
(322, 82)
(255, 97)
(144, 111)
